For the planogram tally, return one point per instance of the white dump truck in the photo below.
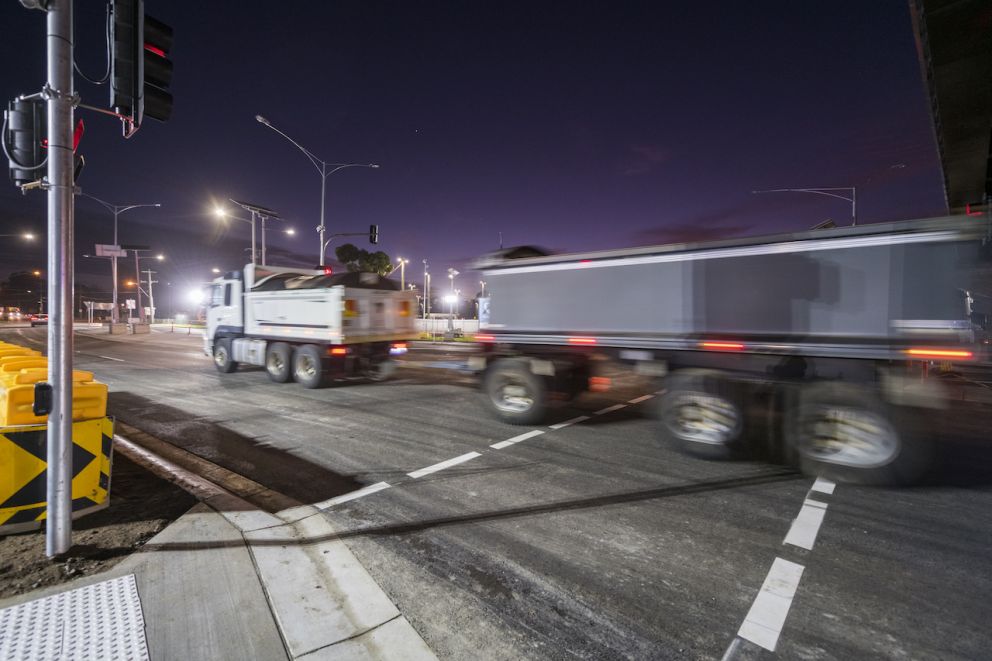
(308, 325)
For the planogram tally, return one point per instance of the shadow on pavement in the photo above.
(277, 469)
(769, 476)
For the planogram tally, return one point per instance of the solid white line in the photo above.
(764, 621)
(562, 425)
(516, 439)
(806, 526)
(119, 360)
(642, 398)
(610, 409)
(353, 495)
(823, 486)
(444, 464)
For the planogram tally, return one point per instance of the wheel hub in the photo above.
(850, 436)
(702, 418)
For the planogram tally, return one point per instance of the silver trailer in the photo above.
(812, 346)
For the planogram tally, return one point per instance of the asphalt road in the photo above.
(589, 540)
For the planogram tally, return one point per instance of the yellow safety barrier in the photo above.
(19, 374)
(23, 472)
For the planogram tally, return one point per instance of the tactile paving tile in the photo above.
(100, 621)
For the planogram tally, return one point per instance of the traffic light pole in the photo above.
(59, 93)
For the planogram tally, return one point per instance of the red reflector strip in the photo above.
(722, 346)
(940, 353)
(582, 340)
(485, 338)
(154, 49)
(339, 351)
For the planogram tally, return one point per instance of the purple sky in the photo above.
(571, 126)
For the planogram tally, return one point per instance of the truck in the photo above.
(311, 326)
(814, 348)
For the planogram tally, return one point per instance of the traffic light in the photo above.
(25, 140)
(140, 70)
(158, 69)
(373, 234)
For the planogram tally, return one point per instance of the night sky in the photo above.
(567, 125)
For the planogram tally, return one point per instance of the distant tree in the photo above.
(358, 259)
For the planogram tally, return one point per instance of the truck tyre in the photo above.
(846, 432)
(516, 395)
(222, 356)
(701, 412)
(308, 366)
(279, 361)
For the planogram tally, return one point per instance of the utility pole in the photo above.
(151, 297)
(60, 95)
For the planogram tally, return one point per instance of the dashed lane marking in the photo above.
(823, 486)
(567, 423)
(764, 621)
(516, 439)
(353, 495)
(642, 398)
(444, 464)
(610, 409)
(804, 529)
(119, 360)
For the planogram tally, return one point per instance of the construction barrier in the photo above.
(23, 472)
(23, 442)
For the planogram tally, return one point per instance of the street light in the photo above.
(451, 276)
(27, 236)
(483, 293)
(256, 211)
(823, 191)
(325, 169)
(137, 270)
(215, 270)
(402, 262)
(116, 209)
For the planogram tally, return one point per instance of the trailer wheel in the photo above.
(222, 356)
(702, 413)
(308, 366)
(517, 395)
(278, 362)
(847, 432)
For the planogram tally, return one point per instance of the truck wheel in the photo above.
(278, 362)
(846, 432)
(517, 395)
(702, 413)
(308, 366)
(222, 356)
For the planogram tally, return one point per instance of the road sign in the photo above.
(108, 250)
(130, 304)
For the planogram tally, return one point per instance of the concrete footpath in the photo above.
(225, 581)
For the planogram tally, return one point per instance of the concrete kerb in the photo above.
(325, 603)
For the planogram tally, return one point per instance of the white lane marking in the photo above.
(119, 360)
(444, 464)
(562, 425)
(660, 392)
(764, 621)
(642, 398)
(353, 495)
(823, 486)
(516, 439)
(610, 409)
(806, 526)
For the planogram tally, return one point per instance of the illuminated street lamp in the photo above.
(256, 211)
(27, 236)
(325, 170)
(215, 270)
(402, 262)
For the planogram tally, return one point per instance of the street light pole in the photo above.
(116, 209)
(824, 191)
(402, 262)
(325, 169)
